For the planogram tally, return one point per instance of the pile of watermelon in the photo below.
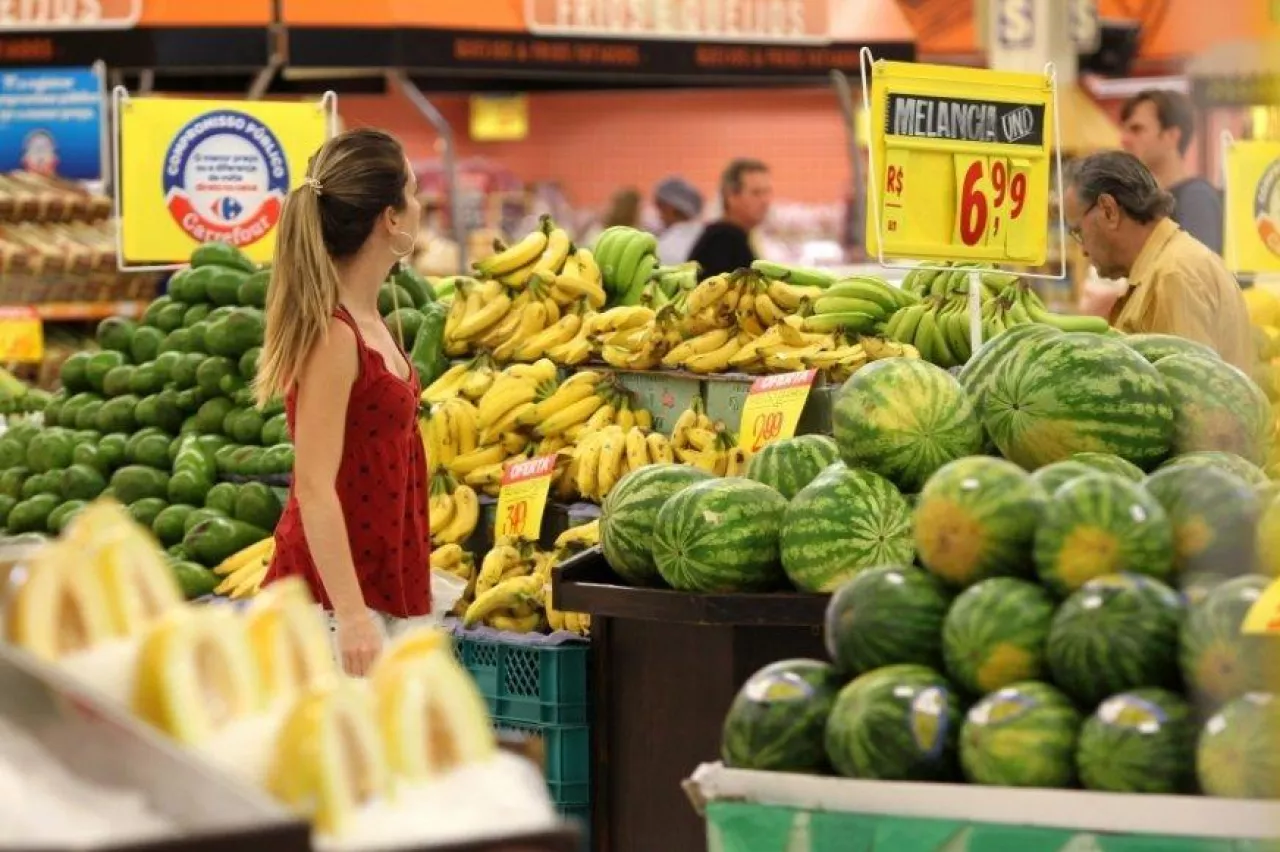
(1039, 566)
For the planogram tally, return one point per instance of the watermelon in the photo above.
(1021, 736)
(995, 634)
(1214, 516)
(789, 465)
(1143, 741)
(1195, 586)
(1216, 407)
(975, 377)
(1229, 462)
(976, 518)
(1118, 632)
(844, 521)
(778, 719)
(1078, 392)
(1267, 541)
(628, 513)
(897, 723)
(1110, 463)
(1154, 346)
(1238, 755)
(886, 615)
(904, 418)
(1053, 476)
(1101, 524)
(720, 535)
(1218, 662)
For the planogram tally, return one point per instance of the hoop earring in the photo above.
(412, 244)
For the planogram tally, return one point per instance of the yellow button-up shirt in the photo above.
(1178, 286)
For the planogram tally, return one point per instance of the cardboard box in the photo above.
(726, 392)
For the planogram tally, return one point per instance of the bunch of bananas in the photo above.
(242, 572)
(627, 258)
(860, 305)
(453, 559)
(699, 441)
(602, 457)
(453, 509)
(938, 326)
(800, 276)
(467, 379)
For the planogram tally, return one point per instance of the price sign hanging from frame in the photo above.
(960, 164)
(522, 499)
(773, 407)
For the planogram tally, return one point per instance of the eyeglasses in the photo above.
(1075, 232)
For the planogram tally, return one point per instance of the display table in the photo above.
(665, 667)
(776, 812)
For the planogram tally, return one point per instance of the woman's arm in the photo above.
(323, 390)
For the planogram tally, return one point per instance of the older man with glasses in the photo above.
(1119, 214)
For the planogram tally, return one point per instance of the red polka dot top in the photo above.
(382, 486)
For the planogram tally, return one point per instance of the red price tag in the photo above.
(773, 407)
(522, 500)
(894, 205)
(991, 196)
(21, 335)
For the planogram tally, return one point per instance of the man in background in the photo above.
(1157, 127)
(1121, 217)
(746, 190)
(680, 208)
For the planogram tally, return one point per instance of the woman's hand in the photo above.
(359, 642)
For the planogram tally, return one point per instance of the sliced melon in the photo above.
(196, 673)
(290, 640)
(53, 611)
(329, 760)
(431, 715)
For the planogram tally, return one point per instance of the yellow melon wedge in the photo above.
(196, 673)
(55, 611)
(127, 561)
(290, 640)
(431, 716)
(329, 761)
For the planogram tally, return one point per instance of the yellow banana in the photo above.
(637, 449)
(581, 536)
(626, 417)
(506, 394)
(703, 343)
(570, 415)
(446, 556)
(621, 319)
(767, 311)
(447, 385)
(478, 383)
(533, 319)
(539, 372)
(588, 460)
(577, 387)
(687, 420)
(513, 442)
(553, 254)
(263, 549)
(506, 423)
(440, 508)
(467, 462)
(574, 287)
(659, 448)
(644, 418)
(790, 296)
(612, 453)
(715, 360)
(538, 345)
(700, 438)
(499, 558)
(707, 293)
(489, 313)
(516, 623)
(505, 326)
(466, 512)
(604, 415)
(736, 462)
(487, 476)
(514, 257)
(462, 419)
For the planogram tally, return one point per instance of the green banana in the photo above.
(906, 329)
(926, 336)
(636, 245)
(869, 289)
(855, 321)
(798, 275)
(846, 304)
(639, 278)
(606, 251)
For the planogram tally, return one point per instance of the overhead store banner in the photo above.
(1252, 206)
(51, 122)
(600, 41)
(960, 163)
(193, 171)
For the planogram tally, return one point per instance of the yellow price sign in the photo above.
(522, 499)
(21, 335)
(1264, 615)
(961, 163)
(1252, 206)
(773, 407)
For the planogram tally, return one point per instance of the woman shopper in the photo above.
(355, 526)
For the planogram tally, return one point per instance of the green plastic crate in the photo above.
(568, 758)
(581, 814)
(528, 684)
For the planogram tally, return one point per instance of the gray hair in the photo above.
(1122, 176)
(731, 180)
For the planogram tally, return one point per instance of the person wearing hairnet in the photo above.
(680, 208)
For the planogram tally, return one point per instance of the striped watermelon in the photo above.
(1101, 524)
(778, 719)
(1053, 476)
(1218, 662)
(897, 723)
(995, 634)
(720, 535)
(628, 514)
(1110, 463)
(1229, 462)
(1216, 407)
(789, 465)
(1078, 392)
(1118, 632)
(1154, 346)
(886, 615)
(1021, 736)
(1214, 516)
(975, 377)
(976, 518)
(1195, 586)
(1143, 741)
(904, 418)
(1238, 755)
(1267, 541)
(844, 521)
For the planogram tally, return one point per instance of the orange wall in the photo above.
(594, 143)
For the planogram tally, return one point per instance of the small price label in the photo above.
(21, 335)
(773, 407)
(522, 498)
(1264, 615)
(990, 196)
